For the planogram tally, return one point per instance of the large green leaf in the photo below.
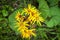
(43, 7)
(54, 11)
(12, 21)
(55, 15)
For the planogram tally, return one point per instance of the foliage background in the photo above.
(50, 10)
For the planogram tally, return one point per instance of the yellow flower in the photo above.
(28, 33)
(22, 25)
(25, 32)
(34, 15)
(29, 9)
(19, 17)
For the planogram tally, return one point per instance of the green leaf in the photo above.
(5, 13)
(43, 7)
(3, 22)
(42, 33)
(53, 2)
(12, 21)
(55, 15)
(54, 11)
(53, 22)
(1, 18)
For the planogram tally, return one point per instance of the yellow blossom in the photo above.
(28, 33)
(19, 17)
(25, 32)
(34, 15)
(22, 25)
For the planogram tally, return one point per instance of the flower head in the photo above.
(25, 32)
(28, 33)
(34, 15)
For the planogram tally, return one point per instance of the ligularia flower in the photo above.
(34, 15)
(25, 32)
(24, 23)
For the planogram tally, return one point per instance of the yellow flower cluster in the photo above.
(26, 33)
(33, 16)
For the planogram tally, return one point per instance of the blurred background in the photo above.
(50, 32)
